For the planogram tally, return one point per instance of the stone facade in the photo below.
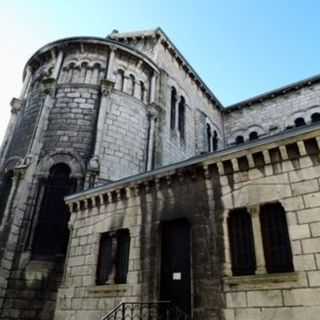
(124, 122)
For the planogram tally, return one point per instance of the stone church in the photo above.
(129, 191)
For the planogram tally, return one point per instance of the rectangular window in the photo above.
(241, 242)
(113, 257)
(276, 242)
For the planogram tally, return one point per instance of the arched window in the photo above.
(209, 134)
(5, 188)
(241, 242)
(299, 122)
(71, 69)
(276, 243)
(142, 91)
(131, 85)
(120, 80)
(315, 117)
(215, 141)
(51, 234)
(253, 135)
(239, 140)
(173, 103)
(181, 117)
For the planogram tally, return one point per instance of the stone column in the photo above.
(152, 121)
(15, 180)
(16, 106)
(94, 163)
(57, 67)
(109, 75)
(153, 114)
(26, 83)
(153, 88)
(227, 256)
(258, 242)
(48, 88)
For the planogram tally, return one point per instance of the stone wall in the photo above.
(285, 169)
(125, 137)
(176, 76)
(273, 115)
(72, 121)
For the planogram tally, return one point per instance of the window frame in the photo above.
(113, 255)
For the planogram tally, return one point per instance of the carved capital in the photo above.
(106, 87)
(153, 110)
(49, 86)
(94, 164)
(23, 165)
(16, 105)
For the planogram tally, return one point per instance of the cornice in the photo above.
(274, 93)
(111, 44)
(220, 160)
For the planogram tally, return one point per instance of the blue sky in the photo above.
(239, 48)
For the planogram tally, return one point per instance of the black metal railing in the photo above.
(160, 310)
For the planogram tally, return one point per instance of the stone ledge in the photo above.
(111, 290)
(262, 278)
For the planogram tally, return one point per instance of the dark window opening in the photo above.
(5, 188)
(132, 84)
(239, 140)
(299, 122)
(276, 243)
(315, 117)
(241, 242)
(113, 261)
(142, 91)
(173, 108)
(253, 135)
(52, 234)
(209, 137)
(215, 141)
(181, 117)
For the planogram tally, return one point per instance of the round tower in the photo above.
(86, 115)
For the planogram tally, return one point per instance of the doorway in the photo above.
(175, 282)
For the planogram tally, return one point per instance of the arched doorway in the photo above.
(51, 233)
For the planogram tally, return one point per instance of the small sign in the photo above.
(176, 276)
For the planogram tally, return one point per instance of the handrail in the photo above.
(155, 310)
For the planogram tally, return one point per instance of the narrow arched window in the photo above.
(239, 140)
(209, 134)
(276, 243)
(5, 188)
(299, 122)
(51, 233)
(241, 242)
(215, 141)
(120, 80)
(253, 135)
(182, 117)
(315, 117)
(173, 103)
(131, 85)
(142, 91)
